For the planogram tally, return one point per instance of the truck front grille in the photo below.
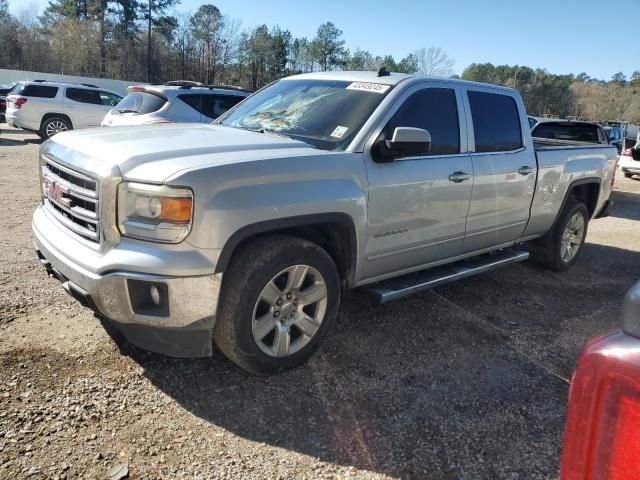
(73, 198)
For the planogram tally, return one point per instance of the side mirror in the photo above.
(406, 141)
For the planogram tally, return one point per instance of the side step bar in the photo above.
(394, 288)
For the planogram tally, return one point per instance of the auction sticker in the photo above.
(339, 131)
(369, 87)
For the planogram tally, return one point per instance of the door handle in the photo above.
(457, 177)
(526, 170)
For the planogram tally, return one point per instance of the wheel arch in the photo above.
(335, 232)
(49, 115)
(587, 190)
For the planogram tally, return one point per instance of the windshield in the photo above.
(326, 114)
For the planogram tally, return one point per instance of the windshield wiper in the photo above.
(128, 110)
(290, 136)
(272, 132)
(264, 130)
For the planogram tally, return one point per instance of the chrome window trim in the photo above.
(475, 154)
(399, 99)
(523, 117)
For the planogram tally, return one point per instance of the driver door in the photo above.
(418, 205)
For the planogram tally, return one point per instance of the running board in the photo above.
(398, 287)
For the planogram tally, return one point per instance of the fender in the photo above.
(279, 224)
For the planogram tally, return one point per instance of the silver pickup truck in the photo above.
(244, 233)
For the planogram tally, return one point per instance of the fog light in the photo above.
(148, 298)
(154, 293)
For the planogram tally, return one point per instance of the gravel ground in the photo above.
(466, 381)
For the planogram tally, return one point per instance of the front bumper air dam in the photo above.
(187, 329)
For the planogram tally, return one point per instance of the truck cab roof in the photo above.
(393, 78)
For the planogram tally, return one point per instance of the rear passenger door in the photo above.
(190, 111)
(417, 206)
(504, 170)
(85, 107)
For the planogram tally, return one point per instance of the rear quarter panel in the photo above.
(561, 167)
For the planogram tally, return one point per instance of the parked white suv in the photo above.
(174, 102)
(51, 107)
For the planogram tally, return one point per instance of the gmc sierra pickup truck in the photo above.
(245, 232)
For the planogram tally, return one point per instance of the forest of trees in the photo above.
(150, 41)
(566, 95)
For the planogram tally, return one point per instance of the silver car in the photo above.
(174, 102)
(47, 107)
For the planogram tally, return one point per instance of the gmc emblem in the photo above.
(56, 192)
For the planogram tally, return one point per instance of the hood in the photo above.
(155, 152)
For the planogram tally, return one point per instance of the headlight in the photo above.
(154, 212)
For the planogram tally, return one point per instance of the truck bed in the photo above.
(540, 143)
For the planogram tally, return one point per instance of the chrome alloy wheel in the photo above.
(56, 126)
(572, 237)
(289, 311)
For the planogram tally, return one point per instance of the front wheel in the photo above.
(559, 249)
(280, 296)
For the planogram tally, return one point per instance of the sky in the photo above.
(562, 36)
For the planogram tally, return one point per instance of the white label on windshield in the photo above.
(368, 87)
(339, 131)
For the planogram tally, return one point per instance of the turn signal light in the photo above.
(176, 209)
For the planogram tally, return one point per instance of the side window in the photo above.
(84, 96)
(435, 110)
(192, 100)
(74, 94)
(108, 99)
(496, 122)
(42, 91)
(216, 105)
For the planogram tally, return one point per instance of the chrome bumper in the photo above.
(183, 329)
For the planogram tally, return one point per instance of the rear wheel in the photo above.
(280, 296)
(54, 125)
(628, 175)
(559, 249)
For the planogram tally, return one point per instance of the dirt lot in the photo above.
(466, 381)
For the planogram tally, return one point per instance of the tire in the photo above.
(550, 252)
(255, 287)
(53, 125)
(628, 175)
